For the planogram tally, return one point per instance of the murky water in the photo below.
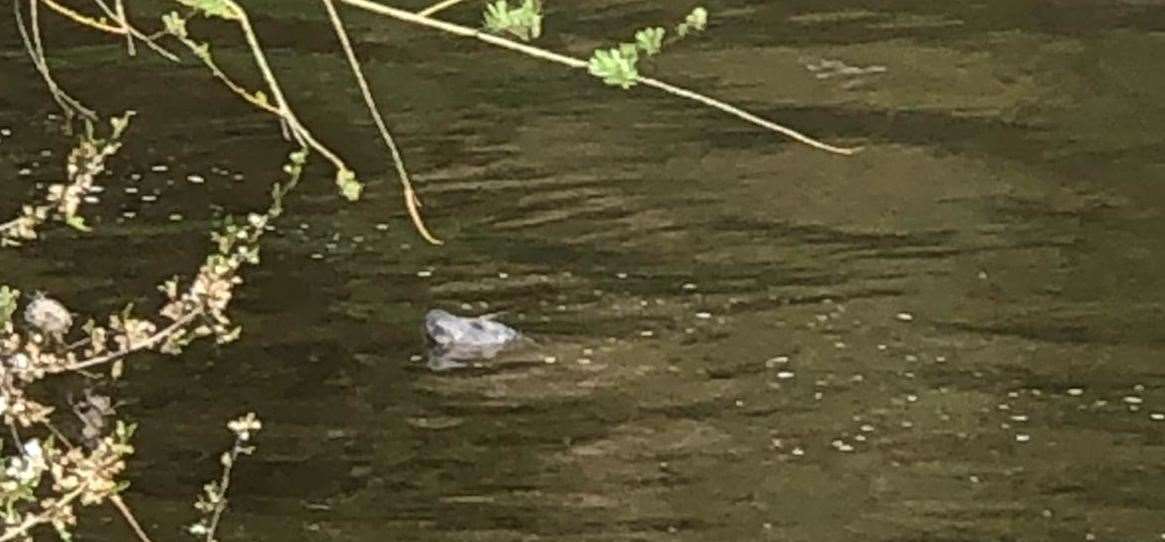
(954, 335)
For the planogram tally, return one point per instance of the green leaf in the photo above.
(350, 188)
(615, 66)
(77, 222)
(8, 301)
(650, 40)
(214, 8)
(696, 21)
(174, 24)
(525, 22)
(119, 124)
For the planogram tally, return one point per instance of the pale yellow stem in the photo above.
(577, 63)
(439, 6)
(412, 203)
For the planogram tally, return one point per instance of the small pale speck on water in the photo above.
(45, 153)
(881, 347)
(1133, 400)
(159, 168)
(798, 451)
(415, 357)
(196, 179)
(647, 333)
(550, 360)
(911, 398)
(382, 227)
(503, 276)
(1023, 437)
(905, 317)
(238, 177)
(149, 198)
(424, 273)
(690, 286)
(1139, 388)
(128, 214)
(175, 217)
(703, 315)
(317, 256)
(1157, 416)
(24, 172)
(584, 361)
(92, 199)
(5, 132)
(785, 375)
(620, 275)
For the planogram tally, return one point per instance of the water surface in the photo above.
(953, 335)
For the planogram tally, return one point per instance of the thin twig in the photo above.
(439, 6)
(129, 518)
(32, 520)
(9, 225)
(119, 5)
(577, 63)
(221, 75)
(118, 13)
(32, 43)
(150, 342)
(298, 129)
(412, 203)
(223, 486)
(83, 20)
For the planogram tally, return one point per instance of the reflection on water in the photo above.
(954, 335)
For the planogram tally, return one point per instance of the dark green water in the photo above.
(723, 306)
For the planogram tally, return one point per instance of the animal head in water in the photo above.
(446, 329)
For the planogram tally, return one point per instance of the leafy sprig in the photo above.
(619, 66)
(524, 21)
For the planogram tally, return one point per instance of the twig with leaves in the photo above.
(213, 500)
(63, 200)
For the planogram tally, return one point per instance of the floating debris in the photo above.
(425, 273)
(1023, 437)
(904, 317)
(703, 315)
(160, 168)
(196, 179)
